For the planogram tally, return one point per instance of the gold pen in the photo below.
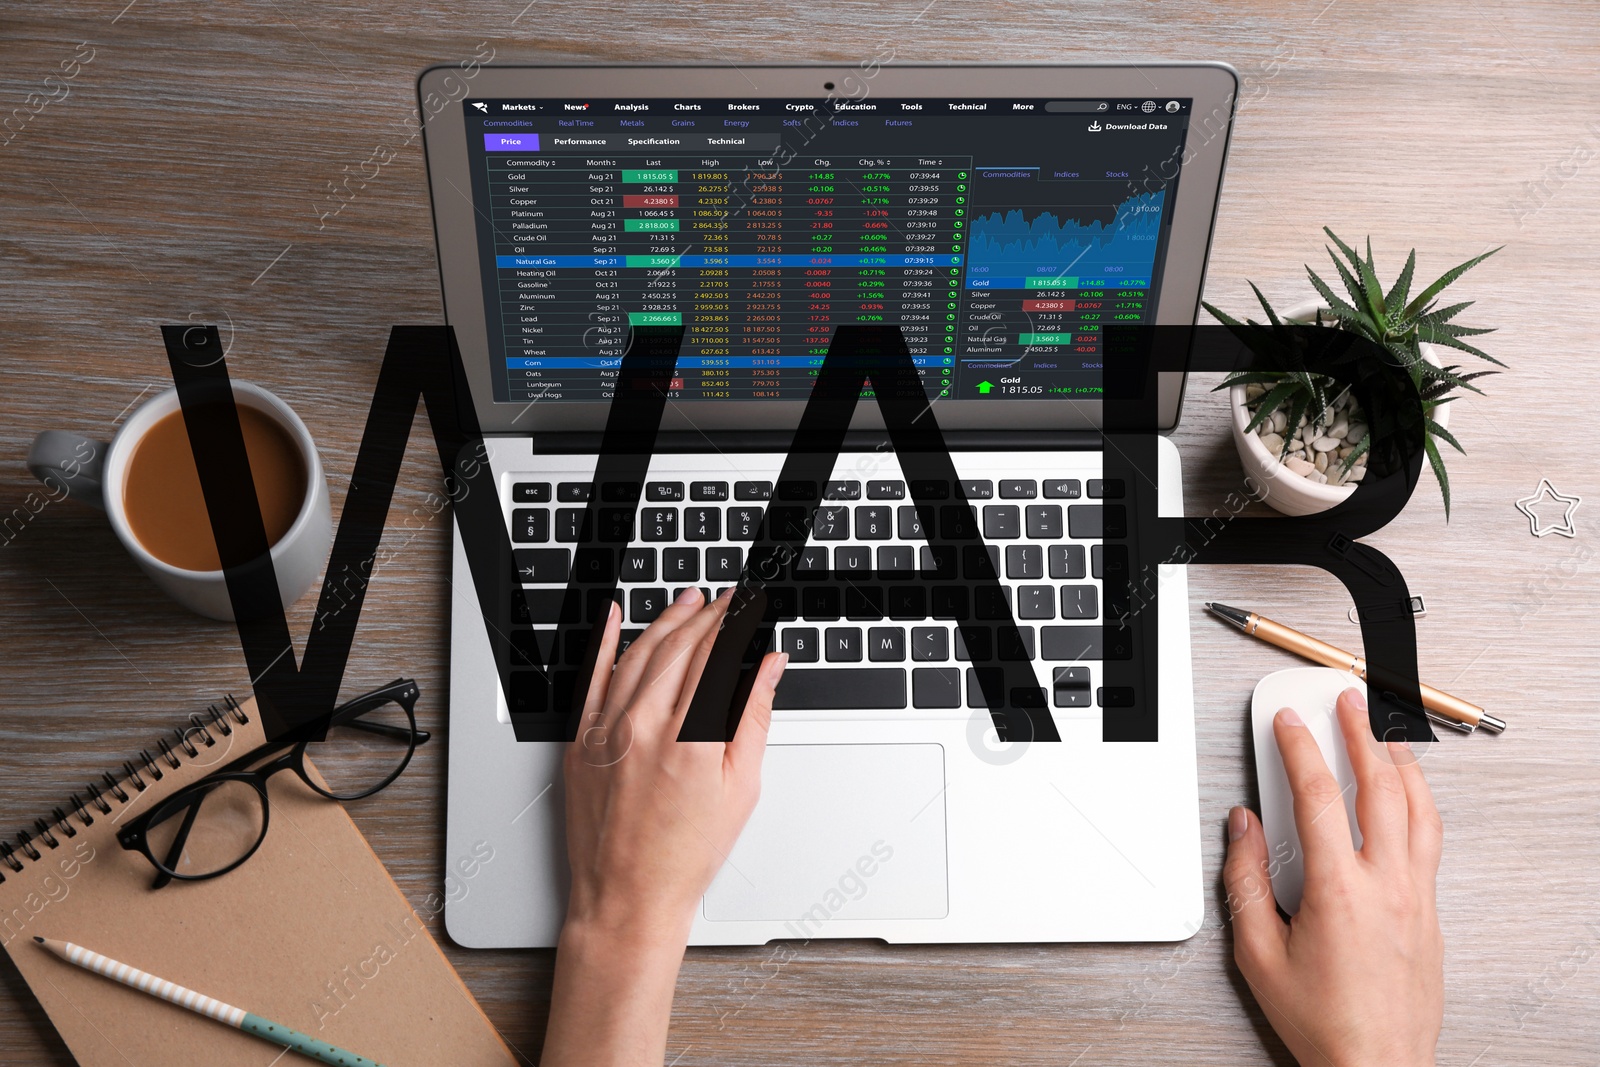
(1440, 707)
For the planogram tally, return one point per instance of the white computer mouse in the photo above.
(1313, 692)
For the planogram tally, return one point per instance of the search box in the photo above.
(1075, 107)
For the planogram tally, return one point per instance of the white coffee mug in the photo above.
(96, 473)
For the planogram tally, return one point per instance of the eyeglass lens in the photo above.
(209, 830)
(360, 756)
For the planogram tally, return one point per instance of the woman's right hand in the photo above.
(1356, 979)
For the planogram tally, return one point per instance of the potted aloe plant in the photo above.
(1302, 433)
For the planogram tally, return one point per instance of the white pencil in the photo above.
(173, 993)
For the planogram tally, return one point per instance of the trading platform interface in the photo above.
(1001, 236)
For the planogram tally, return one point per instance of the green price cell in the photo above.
(633, 177)
(649, 225)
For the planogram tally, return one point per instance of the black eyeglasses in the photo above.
(211, 827)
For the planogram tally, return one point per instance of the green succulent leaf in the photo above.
(1436, 461)
(1404, 353)
(1443, 434)
(1361, 448)
(1445, 279)
(1441, 315)
(1448, 376)
(1443, 330)
(1370, 286)
(1272, 316)
(1396, 297)
(1297, 411)
(1273, 400)
(1457, 343)
(1349, 252)
(1249, 377)
(1220, 315)
(1357, 296)
(1338, 307)
(1435, 392)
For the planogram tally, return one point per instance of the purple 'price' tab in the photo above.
(511, 142)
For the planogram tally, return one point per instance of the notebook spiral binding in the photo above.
(134, 779)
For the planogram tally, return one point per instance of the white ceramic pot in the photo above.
(1277, 485)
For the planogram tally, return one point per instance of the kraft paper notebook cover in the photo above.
(311, 932)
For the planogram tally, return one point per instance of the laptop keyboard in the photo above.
(867, 611)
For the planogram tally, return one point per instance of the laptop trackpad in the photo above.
(841, 832)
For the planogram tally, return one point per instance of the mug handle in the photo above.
(75, 461)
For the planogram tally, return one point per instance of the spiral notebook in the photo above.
(310, 932)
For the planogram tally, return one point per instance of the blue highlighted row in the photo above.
(728, 261)
(691, 362)
(1021, 282)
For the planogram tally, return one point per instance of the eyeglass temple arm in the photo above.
(180, 839)
(402, 691)
(399, 733)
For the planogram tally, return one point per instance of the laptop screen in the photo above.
(1000, 235)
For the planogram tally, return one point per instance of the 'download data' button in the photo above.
(511, 142)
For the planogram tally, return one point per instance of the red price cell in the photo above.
(650, 200)
(1049, 305)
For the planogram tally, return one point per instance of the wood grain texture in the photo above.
(187, 175)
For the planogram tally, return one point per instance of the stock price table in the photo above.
(758, 267)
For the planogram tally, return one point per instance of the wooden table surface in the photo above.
(188, 172)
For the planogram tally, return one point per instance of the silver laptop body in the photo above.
(756, 212)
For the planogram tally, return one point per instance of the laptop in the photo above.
(1002, 218)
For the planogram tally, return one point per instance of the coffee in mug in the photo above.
(166, 509)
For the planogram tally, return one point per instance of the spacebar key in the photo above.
(841, 690)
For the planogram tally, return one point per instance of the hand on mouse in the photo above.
(1356, 978)
(650, 820)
